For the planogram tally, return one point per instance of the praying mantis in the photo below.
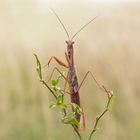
(71, 78)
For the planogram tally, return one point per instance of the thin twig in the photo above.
(48, 88)
(100, 116)
(77, 132)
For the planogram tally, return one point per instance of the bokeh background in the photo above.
(109, 47)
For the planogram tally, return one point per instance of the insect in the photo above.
(71, 77)
(73, 118)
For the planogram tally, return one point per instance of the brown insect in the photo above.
(71, 78)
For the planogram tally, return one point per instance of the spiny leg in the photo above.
(60, 63)
(57, 60)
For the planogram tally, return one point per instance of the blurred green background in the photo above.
(109, 48)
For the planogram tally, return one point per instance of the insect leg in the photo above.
(67, 58)
(66, 81)
(56, 69)
(65, 78)
(102, 87)
(83, 118)
(57, 60)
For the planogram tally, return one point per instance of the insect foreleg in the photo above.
(67, 58)
(57, 60)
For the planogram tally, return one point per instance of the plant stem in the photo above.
(49, 88)
(96, 124)
(100, 116)
(77, 132)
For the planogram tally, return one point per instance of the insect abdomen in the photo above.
(73, 84)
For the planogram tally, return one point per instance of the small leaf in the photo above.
(77, 108)
(62, 106)
(59, 99)
(54, 82)
(38, 67)
(52, 104)
(68, 118)
(71, 119)
(75, 122)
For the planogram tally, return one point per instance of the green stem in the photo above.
(96, 124)
(77, 132)
(99, 117)
(49, 88)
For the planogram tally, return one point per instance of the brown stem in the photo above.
(77, 132)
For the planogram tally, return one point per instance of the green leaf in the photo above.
(75, 122)
(59, 99)
(38, 67)
(54, 82)
(60, 103)
(52, 104)
(39, 71)
(70, 119)
(62, 106)
(77, 108)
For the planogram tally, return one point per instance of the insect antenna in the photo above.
(83, 27)
(61, 23)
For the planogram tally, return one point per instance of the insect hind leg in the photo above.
(102, 87)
